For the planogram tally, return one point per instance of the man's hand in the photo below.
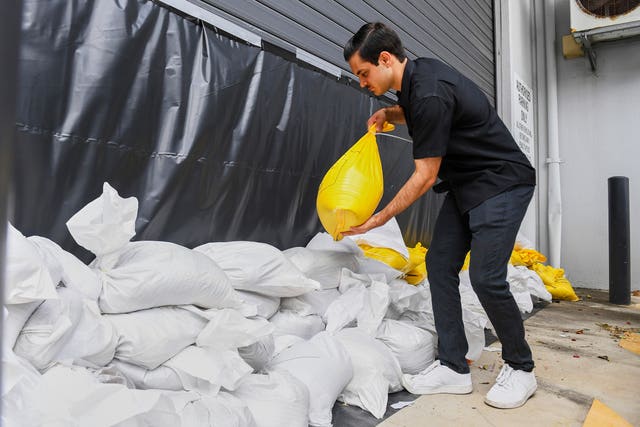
(378, 118)
(373, 222)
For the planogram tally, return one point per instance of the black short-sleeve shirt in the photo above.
(448, 116)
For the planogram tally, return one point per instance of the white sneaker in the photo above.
(512, 388)
(437, 379)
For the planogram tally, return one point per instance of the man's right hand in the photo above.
(378, 118)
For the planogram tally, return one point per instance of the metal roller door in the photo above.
(459, 33)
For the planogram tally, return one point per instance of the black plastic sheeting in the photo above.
(218, 140)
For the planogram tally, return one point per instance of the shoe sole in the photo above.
(513, 405)
(448, 389)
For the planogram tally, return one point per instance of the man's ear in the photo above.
(385, 58)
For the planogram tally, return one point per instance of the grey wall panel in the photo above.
(460, 33)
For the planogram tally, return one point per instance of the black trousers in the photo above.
(489, 230)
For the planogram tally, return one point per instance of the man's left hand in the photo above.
(373, 222)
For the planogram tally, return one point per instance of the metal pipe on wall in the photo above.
(553, 148)
(619, 241)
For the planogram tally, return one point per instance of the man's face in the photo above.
(376, 78)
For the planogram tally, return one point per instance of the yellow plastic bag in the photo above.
(351, 190)
(389, 256)
(526, 257)
(416, 270)
(555, 282)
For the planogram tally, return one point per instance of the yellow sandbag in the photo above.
(416, 257)
(555, 282)
(351, 190)
(391, 257)
(526, 257)
(416, 269)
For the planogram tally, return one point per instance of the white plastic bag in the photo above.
(323, 266)
(20, 382)
(314, 302)
(522, 279)
(265, 306)
(27, 277)
(148, 338)
(385, 236)
(106, 224)
(70, 328)
(73, 272)
(275, 399)
(258, 354)
(376, 372)
(287, 322)
(228, 329)
(413, 347)
(259, 267)
(207, 369)
(324, 242)
(161, 378)
(155, 274)
(73, 396)
(324, 366)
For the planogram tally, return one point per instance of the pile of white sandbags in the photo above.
(229, 333)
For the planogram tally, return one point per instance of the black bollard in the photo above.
(619, 239)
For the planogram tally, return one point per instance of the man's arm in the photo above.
(393, 114)
(419, 183)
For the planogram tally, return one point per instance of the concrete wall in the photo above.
(599, 133)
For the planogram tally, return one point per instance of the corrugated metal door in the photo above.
(459, 33)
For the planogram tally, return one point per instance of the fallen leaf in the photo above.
(604, 358)
(575, 356)
(580, 331)
(636, 293)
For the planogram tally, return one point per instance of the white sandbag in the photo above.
(16, 316)
(258, 354)
(275, 399)
(349, 279)
(414, 348)
(323, 266)
(205, 370)
(401, 295)
(148, 338)
(324, 366)
(314, 302)
(27, 277)
(421, 319)
(221, 410)
(385, 236)
(344, 310)
(70, 328)
(366, 305)
(287, 322)
(154, 274)
(376, 372)
(474, 325)
(74, 273)
(72, 396)
(228, 329)
(106, 224)
(375, 306)
(259, 267)
(20, 382)
(162, 377)
(525, 280)
(265, 305)
(283, 342)
(324, 242)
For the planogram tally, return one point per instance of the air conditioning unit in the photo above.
(604, 19)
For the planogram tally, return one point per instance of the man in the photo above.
(458, 137)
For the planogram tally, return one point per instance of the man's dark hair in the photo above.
(370, 40)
